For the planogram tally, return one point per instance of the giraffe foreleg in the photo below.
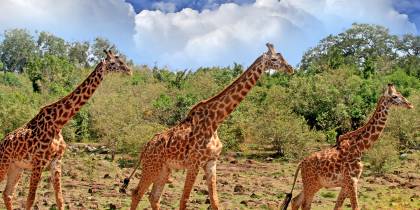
(210, 170)
(56, 178)
(33, 185)
(189, 182)
(352, 193)
(13, 176)
(158, 186)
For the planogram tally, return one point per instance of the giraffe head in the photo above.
(395, 98)
(113, 63)
(274, 60)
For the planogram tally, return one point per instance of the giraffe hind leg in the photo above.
(308, 197)
(158, 186)
(33, 185)
(340, 199)
(4, 167)
(146, 180)
(297, 201)
(188, 185)
(13, 176)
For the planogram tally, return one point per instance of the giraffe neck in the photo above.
(371, 131)
(214, 111)
(68, 106)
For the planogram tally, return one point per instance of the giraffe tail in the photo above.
(127, 179)
(288, 197)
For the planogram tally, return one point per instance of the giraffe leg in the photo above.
(56, 178)
(158, 186)
(13, 177)
(3, 173)
(309, 194)
(352, 193)
(189, 182)
(340, 199)
(33, 185)
(144, 183)
(297, 201)
(210, 170)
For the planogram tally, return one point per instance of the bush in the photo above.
(383, 155)
(403, 124)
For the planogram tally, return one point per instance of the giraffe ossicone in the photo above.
(193, 143)
(39, 142)
(341, 166)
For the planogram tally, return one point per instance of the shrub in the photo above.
(383, 155)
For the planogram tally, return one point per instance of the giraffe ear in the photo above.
(108, 54)
(391, 89)
(271, 49)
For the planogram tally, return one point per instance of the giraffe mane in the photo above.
(227, 87)
(360, 129)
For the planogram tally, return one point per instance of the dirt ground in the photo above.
(91, 181)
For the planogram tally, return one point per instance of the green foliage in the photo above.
(403, 124)
(49, 44)
(99, 45)
(335, 91)
(17, 48)
(370, 48)
(16, 108)
(78, 53)
(10, 79)
(383, 156)
(51, 73)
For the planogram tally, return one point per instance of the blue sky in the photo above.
(188, 34)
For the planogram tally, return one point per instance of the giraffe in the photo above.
(341, 166)
(40, 141)
(193, 143)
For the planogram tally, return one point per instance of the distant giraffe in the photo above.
(193, 143)
(40, 142)
(341, 166)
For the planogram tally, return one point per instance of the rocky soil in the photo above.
(91, 181)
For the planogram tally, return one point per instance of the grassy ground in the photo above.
(91, 181)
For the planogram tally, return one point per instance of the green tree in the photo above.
(409, 47)
(49, 44)
(17, 49)
(359, 46)
(78, 53)
(51, 73)
(99, 45)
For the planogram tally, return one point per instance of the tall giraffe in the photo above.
(193, 143)
(40, 142)
(341, 166)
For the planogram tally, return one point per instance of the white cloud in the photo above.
(189, 39)
(164, 6)
(72, 19)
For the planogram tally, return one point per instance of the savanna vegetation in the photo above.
(334, 90)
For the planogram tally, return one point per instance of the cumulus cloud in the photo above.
(211, 33)
(237, 33)
(73, 19)
(177, 5)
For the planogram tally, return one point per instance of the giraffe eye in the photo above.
(394, 97)
(273, 59)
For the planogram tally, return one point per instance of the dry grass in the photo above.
(260, 185)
